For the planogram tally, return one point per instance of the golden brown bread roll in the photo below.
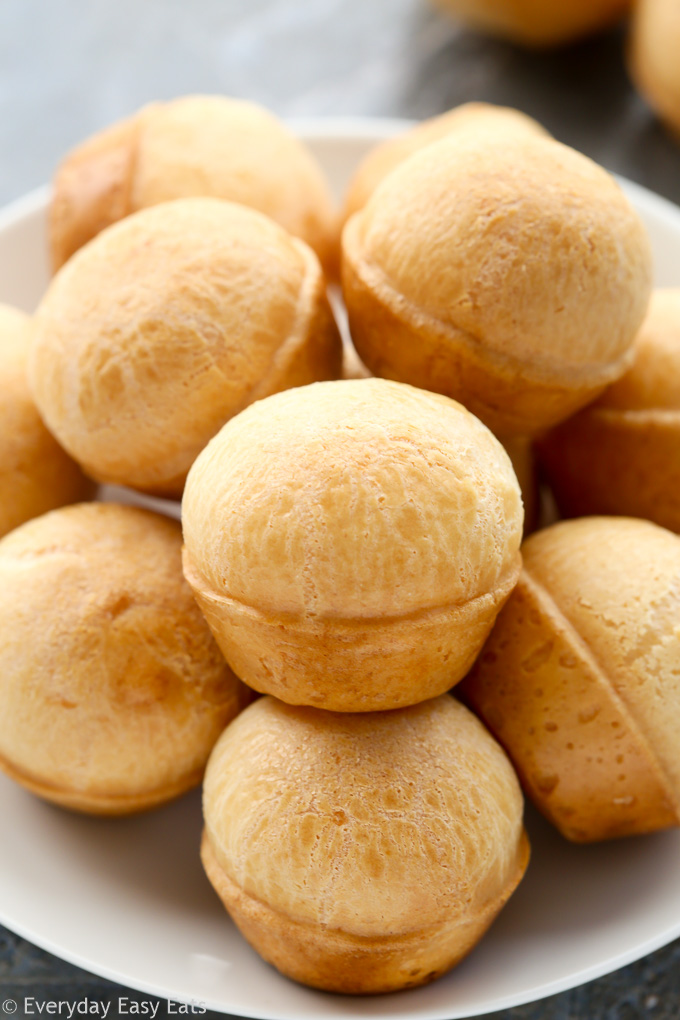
(36, 475)
(165, 326)
(385, 157)
(538, 23)
(112, 690)
(513, 281)
(654, 48)
(350, 543)
(579, 679)
(362, 853)
(194, 146)
(621, 454)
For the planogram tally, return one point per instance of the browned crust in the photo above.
(91, 803)
(339, 961)
(578, 751)
(397, 341)
(351, 665)
(606, 461)
(92, 189)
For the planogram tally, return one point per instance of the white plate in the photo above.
(127, 899)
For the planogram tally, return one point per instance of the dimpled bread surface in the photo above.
(538, 23)
(362, 853)
(210, 146)
(579, 680)
(166, 325)
(351, 542)
(112, 690)
(36, 475)
(519, 449)
(388, 155)
(621, 454)
(511, 278)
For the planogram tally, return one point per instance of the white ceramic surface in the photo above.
(127, 899)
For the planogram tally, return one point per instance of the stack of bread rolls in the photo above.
(350, 544)
(352, 523)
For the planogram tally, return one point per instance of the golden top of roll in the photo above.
(652, 383)
(385, 157)
(512, 280)
(374, 825)
(166, 325)
(537, 255)
(113, 690)
(358, 498)
(36, 475)
(210, 146)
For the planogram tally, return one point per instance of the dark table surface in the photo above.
(69, 68)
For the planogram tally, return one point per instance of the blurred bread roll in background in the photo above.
(166, 325)
(112, 689)
(512, 277)
(653, 57)
(621, 454)
(36, 475)
(537, 23)
(210, 146)
(579, 679)
(389, 154)
(350, 543)
(388, 845)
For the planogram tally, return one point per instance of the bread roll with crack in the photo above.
(112, 690)
(194, 146)
(621, 454)
(515, 285)
(36, 475)
(360, 853)
(165, 326)
(350, 543)
(579, 678)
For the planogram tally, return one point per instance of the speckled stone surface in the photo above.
(68, 68)
(648, 989)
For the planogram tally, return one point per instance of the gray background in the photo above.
(68, 67)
